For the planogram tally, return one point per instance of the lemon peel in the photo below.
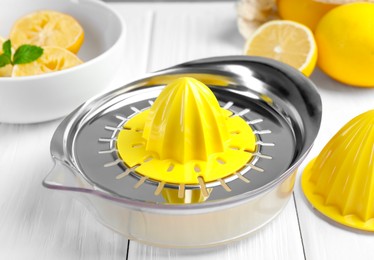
(346, 44)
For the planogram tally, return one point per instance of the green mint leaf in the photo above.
(4, 60)
(7, 49)
(27, 53)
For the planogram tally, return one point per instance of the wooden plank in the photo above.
(184, 32)
(139, 24)
(36, 223)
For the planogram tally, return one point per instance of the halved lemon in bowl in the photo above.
(53, 59)
(286, 41)
(48, 28)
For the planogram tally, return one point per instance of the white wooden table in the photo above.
(36, 223)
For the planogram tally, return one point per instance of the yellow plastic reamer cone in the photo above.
(340, 181)
(186, 138)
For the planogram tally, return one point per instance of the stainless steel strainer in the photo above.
(282, 107)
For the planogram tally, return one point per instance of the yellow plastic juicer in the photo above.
(339, 183)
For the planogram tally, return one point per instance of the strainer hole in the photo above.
(197, 168)
(170, 168)
(139, 130)
(149, 158)
(236, 132)
(234, 148)
(137, 145)
(220, 161)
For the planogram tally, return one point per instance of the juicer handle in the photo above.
(64, 177)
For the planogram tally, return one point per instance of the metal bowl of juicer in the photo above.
(282, 109)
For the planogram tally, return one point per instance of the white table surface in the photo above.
(36, 223)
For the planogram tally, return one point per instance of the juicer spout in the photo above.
(64, 177)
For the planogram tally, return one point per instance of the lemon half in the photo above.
(48, 28)
(286, 41)
(53, 59)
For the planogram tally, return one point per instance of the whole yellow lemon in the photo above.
(307, 12)
(345, 40)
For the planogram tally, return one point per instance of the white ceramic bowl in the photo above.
(49, 96)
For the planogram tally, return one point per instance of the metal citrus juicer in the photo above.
(196, 155)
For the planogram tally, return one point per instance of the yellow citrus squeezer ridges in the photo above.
(340, 181)
(186, 138)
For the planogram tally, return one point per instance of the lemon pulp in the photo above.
(53, 59)
(286, 41)
(48, 28)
